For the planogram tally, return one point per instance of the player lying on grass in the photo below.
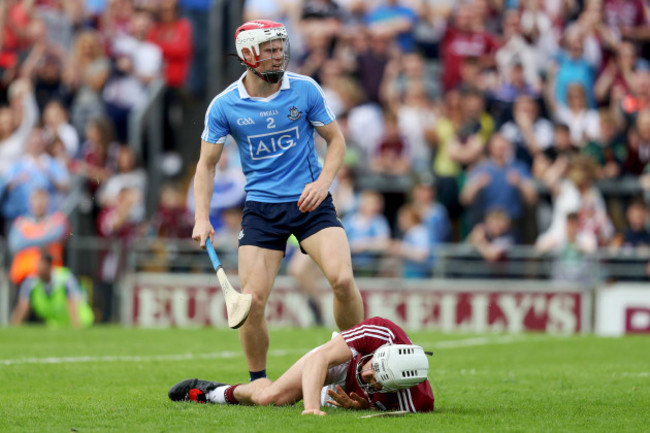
(373, 365)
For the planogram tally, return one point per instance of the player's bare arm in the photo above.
(20, 312)
(314, 193)
(203, 189)
(334, 352)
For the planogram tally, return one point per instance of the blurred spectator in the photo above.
(636, 236)
(506, 92)
(88, 103)
(373, 52)
(570, 68)
(61, 17)
(609, 149)
(43, 65)
(443, 139)
(628, 17)
(333, 83)
(571, 183)
(368, 231)
(93, 11)
(617, 77)
(472, 132)
(574, 256)
(392, 157)
(226, 237)
(87, 53)
(137, 63)
(406, 72)
(173, 34)
(554, 159)
(539, 25)
(499, 181)
(16, 123)
(55, 297)
(638, 149)
(639, 98)
(15, 16)
(198, 13)
(30, 234)
(433, 214)
(129, 178)
(463, 39)
(228, 190)
(35, 169)
(494, 237)
(597, 36)
(413, 248)
(516, 51)
(120, 220)
(116, 19)
(277, 10)
(98, 156)
(417, 119)
(317, 51)
(528, 131)
(583, 122)
(395, 21)
(344, 194)
(55, 124)
(172, 219)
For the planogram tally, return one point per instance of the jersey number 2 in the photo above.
(270, 122)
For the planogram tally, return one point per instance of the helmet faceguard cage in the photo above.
(396, 367)
(258, 35)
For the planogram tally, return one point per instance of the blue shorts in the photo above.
(269, 225)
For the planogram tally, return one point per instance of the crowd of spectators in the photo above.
(516, 111)
(500, 119)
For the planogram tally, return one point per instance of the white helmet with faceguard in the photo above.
(396, 367)
(252, 36)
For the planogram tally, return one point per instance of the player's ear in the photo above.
(248, 56)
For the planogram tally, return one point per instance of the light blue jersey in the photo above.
(275, 135)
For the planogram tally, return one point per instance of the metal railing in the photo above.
(87, 259)
(149, 118)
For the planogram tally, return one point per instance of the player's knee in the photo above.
(343, 285)
(258, 304)
(266, 397)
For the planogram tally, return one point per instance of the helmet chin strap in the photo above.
(270, 76)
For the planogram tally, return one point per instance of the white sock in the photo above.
(218, 395)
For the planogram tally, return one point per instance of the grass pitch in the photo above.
(110, 379)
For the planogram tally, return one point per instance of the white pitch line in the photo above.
(139, 358)
(451, 344)
(476, 341)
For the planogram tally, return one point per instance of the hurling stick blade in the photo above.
(385, 414)
(238, 305)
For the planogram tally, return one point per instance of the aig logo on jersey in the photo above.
(245, 121)
(273, 144)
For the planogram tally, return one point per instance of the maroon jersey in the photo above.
(364, 339)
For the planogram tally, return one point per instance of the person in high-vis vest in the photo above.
(54, 295)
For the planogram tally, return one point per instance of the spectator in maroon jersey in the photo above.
(339, 373)
(172, 219)
(463, 40)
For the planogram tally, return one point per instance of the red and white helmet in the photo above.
(252, 35)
